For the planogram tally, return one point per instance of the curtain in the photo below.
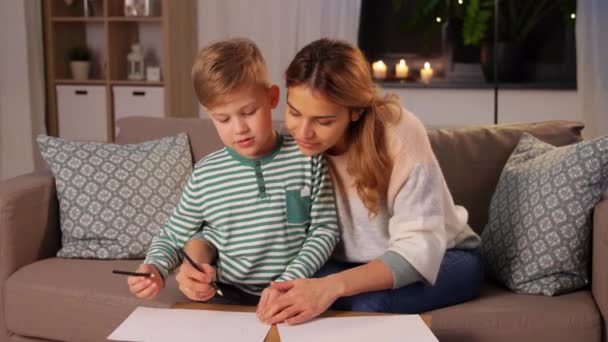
(21, 87)
(592, 67)
(279, 27)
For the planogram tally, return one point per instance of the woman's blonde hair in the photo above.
(225, 66)
(338, 71)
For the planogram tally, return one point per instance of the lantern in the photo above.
(135, 60)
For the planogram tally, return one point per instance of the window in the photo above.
(535, 45)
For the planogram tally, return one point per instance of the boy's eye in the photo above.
(251, 112)
(222, 119)
(292, 113)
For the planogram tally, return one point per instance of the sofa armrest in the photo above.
(599, 279)
(29, 226)
(29, 221)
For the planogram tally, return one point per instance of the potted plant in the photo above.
(516, 19)
(80, 62)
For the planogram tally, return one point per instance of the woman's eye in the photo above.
(294, 113)
(325, 123)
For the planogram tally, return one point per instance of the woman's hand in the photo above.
(269, 295)
(194, 284)
(302, 300)
(143, 287)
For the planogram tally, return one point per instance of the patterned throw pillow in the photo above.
(537, 240)
(114, 198)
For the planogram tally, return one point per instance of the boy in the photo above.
(262, 207)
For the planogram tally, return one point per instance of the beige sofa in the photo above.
(46, 298)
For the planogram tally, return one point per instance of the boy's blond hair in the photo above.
(225, 66)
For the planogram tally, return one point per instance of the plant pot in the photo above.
(509, 61)
(80, 70)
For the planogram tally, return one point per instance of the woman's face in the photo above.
(317, 124)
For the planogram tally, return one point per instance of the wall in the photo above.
(465, 107)
(21, 86)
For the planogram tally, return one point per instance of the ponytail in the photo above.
(369, 161)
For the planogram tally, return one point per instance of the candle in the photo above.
(401, 69)
(426, 73)
(379, 70)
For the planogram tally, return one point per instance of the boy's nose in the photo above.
(240, 127)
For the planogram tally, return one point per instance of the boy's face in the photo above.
(243, 120)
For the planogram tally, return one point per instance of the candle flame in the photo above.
(402, 63)
(427, 65)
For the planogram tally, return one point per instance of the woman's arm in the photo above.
(305, 299)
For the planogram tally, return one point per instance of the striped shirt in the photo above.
(271, 219)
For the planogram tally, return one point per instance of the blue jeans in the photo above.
(460, 279)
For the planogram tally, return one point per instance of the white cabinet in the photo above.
(138, 101)
(82, 112)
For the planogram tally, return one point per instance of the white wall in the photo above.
(467, 107)
(21, 86)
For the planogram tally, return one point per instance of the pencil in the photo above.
(198, 268)
(133, 274)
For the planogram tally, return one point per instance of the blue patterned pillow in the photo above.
(537, 240)
(114, 198)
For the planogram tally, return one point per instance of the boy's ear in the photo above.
(273, 94)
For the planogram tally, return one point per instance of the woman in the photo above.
(397, 217)
(405, 246)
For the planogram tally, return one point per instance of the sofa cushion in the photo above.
(538, 238)
(114, 198)
(472, 158)
(74, 299)
(499, 315)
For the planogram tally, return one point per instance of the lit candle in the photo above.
(379, 69)
(426, 73)
(401, 69)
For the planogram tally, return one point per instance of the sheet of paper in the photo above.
(156, 325)
(368, 328)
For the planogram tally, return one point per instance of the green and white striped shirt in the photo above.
(272, 218)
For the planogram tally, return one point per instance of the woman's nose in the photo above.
(306, 131)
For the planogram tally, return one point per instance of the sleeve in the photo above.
(184, 222)
(322, 235)
(417, 199)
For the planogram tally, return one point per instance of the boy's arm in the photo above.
(184, 222)
(323, 232)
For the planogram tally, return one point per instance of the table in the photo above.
(273, 333)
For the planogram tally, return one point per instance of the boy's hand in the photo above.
(194, 284)
(143, 287)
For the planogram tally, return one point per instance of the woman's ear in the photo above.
(355, 115)
(273, 94)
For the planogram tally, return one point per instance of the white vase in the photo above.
(80, 70)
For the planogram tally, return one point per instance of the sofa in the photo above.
(45, 298)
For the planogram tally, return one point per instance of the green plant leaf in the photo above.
(476, 22)
(397, 4)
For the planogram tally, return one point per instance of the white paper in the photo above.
(156, 325)
(365, 328)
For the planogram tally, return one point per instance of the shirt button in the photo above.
(259, 174)
(257, 163)
(262, 189)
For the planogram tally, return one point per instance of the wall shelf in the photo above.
(167, 37)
